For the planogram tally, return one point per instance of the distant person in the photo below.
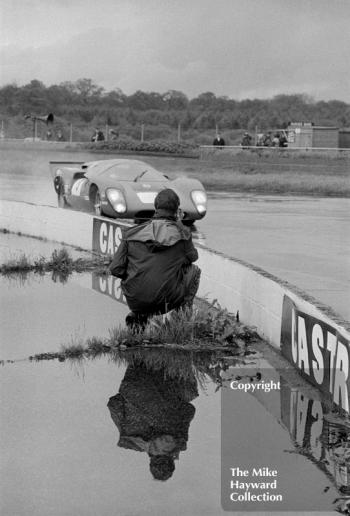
(267, 141)
(155, 263)
(59, 136)
(276, 140)
(98, 136)
(246, 140)
(283, 142)
(219, 141)
(113, 134)
(49, 135)
(260, 140)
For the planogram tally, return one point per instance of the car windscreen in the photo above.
(131, 171)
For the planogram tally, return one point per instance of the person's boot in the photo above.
(130, 320)
(136, 321)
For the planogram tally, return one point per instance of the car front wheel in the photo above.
(96, 200)
(188, 222)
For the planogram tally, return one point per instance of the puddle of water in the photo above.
(61, 453)
(90, 437)
(307, 454)
(40, 313)
(14, 246)
(80, 438)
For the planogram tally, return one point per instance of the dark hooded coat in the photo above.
(151, 261)
(150, 405)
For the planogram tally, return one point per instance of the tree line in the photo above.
(86, 104)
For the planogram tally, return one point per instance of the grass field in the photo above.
(240, 173)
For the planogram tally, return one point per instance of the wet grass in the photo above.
(203, 328)
(20, 264)
(276, 183)
(60, 262)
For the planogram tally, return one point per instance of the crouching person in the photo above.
(154, 261)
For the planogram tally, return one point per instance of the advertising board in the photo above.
(318, 351)
(106, 236)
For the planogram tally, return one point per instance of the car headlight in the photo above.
(117, 200)
(199, 197)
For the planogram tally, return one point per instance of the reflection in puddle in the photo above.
(318, 434)
(152, 409)
(166, 413)
(13, 246)
(153, 413)
(109, 286)
(43, 312)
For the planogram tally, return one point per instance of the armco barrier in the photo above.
(311, 336)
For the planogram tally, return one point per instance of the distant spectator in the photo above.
(283, 142)
(260, 139)
(98, 136)
(276, 140)
(59, 136)
(267, 142)
(113, 134)
(246, 140)
(219, 141)
(49, 135)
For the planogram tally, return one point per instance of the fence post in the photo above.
(179, 133)
(71, 133)
(142, 131)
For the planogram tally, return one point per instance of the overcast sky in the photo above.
(239, 48)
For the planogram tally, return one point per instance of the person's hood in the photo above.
(160, 232)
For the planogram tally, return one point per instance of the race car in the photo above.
(123, 188)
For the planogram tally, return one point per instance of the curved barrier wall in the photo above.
(311, 336)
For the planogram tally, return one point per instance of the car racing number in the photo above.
(78, 186)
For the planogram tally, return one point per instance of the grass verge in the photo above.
(203, 328)
(60, 262)
(269, 172)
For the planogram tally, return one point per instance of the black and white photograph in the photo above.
(174, 257)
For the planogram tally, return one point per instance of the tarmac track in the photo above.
(303, 240)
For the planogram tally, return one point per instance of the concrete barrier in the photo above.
(310, 335)
(47, 222)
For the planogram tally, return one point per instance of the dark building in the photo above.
(344, 138)
(305, 134)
